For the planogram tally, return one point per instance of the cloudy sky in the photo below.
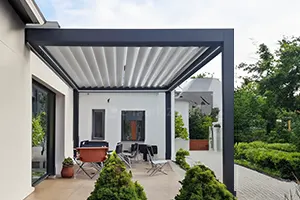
(254, 21)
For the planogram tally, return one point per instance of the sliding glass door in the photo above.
(43, 119)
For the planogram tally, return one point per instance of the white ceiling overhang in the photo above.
(108, 66)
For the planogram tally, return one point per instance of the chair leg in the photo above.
(124, 160)
(159, 168)
(90, 176)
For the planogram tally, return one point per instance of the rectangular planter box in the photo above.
(198, 145)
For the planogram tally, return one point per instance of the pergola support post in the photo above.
(228, 110)
(168, 125)
(75, 118)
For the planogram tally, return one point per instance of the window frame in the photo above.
(123, 114)
(94, 111)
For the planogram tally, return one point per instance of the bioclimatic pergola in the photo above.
(139, 60)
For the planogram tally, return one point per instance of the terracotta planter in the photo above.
(67, 172)
(197, 145)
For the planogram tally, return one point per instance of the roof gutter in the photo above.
(28, 11)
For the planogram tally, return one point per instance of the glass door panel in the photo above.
(42, 131)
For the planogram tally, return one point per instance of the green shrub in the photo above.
(200, 183)
(114, 183)
(268, 158)
(275, 146)
(180, 130)
(180, 159)
(68, 162)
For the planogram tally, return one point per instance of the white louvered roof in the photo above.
(124, 67)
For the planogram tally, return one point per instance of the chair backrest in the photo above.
(92, 154)
(142, 148)
(150, 153)
(82, 143)
(154, 149)
(134, 149)
(87, 143)
(119, 148)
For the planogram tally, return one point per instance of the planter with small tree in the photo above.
(67, 170)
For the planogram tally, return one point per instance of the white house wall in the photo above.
(64, 108)
(152, 103)
(15, 107)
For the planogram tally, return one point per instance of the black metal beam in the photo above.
(75, 118)
(228, 110)
(168, 125)
(205, 58)
(125, 37)
(53, 64)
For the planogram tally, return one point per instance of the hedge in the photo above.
(275, 146)
(269, 160)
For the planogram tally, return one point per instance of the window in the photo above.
(133, 125)
(98, 125)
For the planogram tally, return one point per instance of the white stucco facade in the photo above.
(63, 111)
(18, 67)
(152, 103)
(15, 107)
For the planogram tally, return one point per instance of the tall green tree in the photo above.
(248, 109)
(277, 78)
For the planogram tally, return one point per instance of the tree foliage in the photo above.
(269, 93)
(180, 130)
(203, 75)
(199, 123)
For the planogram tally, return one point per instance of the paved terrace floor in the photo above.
(249, 184)
(157, 187)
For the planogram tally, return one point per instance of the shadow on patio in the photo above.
(157, 187)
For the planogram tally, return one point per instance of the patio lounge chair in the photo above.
(157, 165)
(124, 156)
(89, 143)
(132, 155)
(93, 155)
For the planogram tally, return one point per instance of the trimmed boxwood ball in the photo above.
(114, 183)
(200, 183)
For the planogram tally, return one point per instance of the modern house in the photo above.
(205, 93)
(111, 84)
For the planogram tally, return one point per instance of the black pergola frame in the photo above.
(218, 41)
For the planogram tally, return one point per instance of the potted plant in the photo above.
(67, 170)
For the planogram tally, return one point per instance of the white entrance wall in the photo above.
(64, 108)
(152, 103)
(15, 107)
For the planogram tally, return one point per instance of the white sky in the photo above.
(254, 21)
